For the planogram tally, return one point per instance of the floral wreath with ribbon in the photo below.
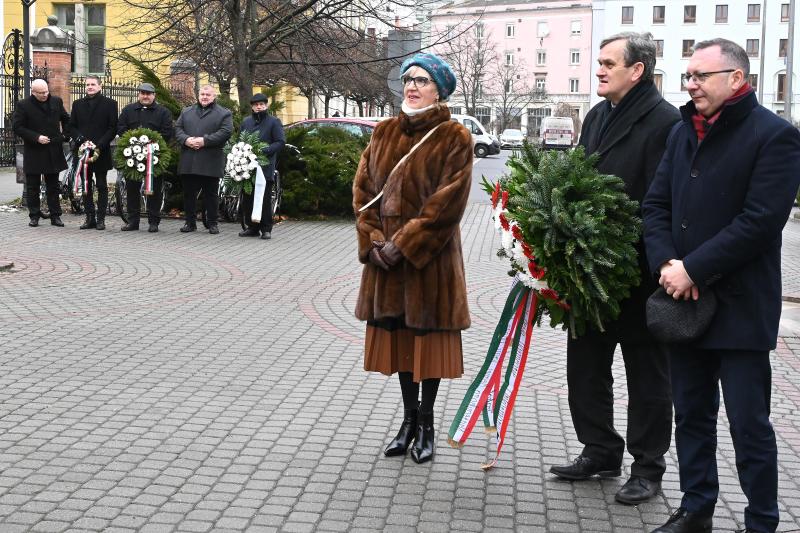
(88, 153)
(142, 154)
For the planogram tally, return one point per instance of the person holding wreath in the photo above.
(94, 119)
(145, 113)
(409, 194)
(270, 131)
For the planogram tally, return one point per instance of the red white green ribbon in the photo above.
(512, 337)
(82, 174)
(148, 169)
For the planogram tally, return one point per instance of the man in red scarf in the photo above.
(713, 221)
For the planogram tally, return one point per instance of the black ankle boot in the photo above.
(422, 451)
(89, 223)
(402, 441)
(101, 223)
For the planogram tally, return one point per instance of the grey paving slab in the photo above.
(175, 382)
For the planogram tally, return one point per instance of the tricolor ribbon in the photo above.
(486, 395)
(148, 170)
(82, 173)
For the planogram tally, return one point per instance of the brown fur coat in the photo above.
(420, 212)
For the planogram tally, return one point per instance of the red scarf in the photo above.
(703, 124)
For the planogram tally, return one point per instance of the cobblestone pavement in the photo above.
(194, 382)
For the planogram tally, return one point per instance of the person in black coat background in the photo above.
(270, 131)
(94, 118)
(628, 131)
(43, 124)
(713, 221)
(145, 113)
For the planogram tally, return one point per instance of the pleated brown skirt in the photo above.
(390, 348)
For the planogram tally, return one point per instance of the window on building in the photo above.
(574, 57)
(92, 19)
(479, 32)
(752, 79)
(780, 96)
(627, 14)
(658, 81)
(784, 12)
(659, 47)
(687, 48)
(575, 27)
(541, 57)
(752, 47)
(535, 116)
(484, 115)
(510, 31)
(479, 89)
(574, 85)
(509, 86)
(509, 58)
(783, 47)
(540, 83)
(542, 29)
(753, 12)
(689, 14)
(658, 14)
(721, 16)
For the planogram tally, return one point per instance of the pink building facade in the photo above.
(548, 40)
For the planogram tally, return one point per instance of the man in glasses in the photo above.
(628, 132)
(713, 221)
(145, 113)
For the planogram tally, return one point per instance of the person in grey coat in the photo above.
(202, 131)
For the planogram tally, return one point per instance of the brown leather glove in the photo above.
(390, 254)
(375, 255)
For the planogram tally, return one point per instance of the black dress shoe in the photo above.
(188, 227)
(402, 441)
(637, 490)
(34, 222)
(89, 223)
(266, 235)
(130, 226)
(583, 468)
(213, 229)
(152, 228)
(682, 521)
(55, 220)
(249, 232)
(101, 224)
(422, 451)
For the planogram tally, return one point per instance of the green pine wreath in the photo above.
(582, 228)
(121, 161)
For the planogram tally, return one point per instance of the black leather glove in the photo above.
(375, 255)
(390, 254)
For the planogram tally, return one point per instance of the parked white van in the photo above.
(485, 143)
(557, 133)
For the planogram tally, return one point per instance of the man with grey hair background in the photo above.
(713, 222)
(628, 132)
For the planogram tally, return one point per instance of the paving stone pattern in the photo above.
(196, 383)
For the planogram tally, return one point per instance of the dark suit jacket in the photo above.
(270, 131)
(720, 206)
(215, 125)
(97, 124)
(32, 119)
(155, 117)
(630, 140)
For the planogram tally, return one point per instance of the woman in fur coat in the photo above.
(409, 194)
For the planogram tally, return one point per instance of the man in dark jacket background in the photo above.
(94, 118)
(628, 131)
(714, 217)
(43, 123)
(270, 131)
(202, 131)
(145, 113)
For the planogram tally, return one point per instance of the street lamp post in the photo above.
(789, 64)
(26, 39)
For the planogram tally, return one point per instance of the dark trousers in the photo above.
(102, 194)
(266, 210)
(33, 183)
(134, 189)
(591, 402)
(746, 379)
(193, 184)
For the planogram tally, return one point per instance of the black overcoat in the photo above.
(98, 124)
(270, 131)
(32, 119)
(214, 124)
(720, 206)
(630, 141)
(155, 117)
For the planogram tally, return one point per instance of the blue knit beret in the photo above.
(441, 73)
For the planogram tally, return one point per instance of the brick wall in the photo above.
(58, 66)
